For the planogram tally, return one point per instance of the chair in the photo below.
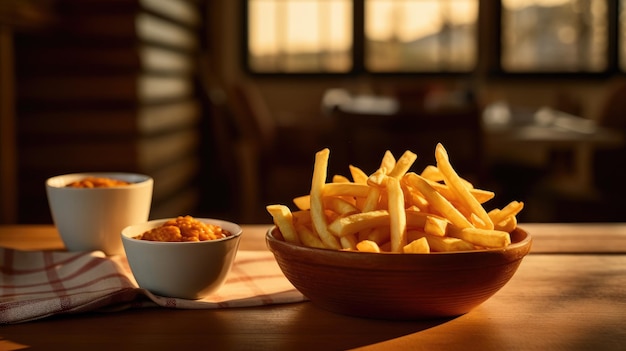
(274, 162)
(610, 163)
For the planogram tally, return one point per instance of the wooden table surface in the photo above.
(568, 294)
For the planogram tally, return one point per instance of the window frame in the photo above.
(489, 49)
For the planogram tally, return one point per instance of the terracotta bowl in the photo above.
(398, 286)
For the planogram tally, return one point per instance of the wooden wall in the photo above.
(111, 86)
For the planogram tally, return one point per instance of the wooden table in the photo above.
(568, 294)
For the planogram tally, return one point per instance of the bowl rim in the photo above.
(526, 241)
(142, 180)
(154, 222)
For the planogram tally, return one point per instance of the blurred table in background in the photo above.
(534, 136)
(522, 153)
(561, 147)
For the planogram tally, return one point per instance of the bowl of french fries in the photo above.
(396, 244)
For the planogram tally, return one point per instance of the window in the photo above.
(318, 36)
(293, 36)
(554, 35)
(435, 36)
(420, 35)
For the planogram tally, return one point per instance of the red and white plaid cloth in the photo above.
(38, 284)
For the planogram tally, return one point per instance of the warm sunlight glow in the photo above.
(571, 39)
(412, 19)
(298, 26)
(517, 4)
(262, 27)
(302, 30)
(426, 35)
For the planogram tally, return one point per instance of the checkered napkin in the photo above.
(38, 284)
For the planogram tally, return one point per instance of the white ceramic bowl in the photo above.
(91, 219)
(188, 270)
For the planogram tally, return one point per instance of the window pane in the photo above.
(554, 35)
(307, 36)
(420, 35)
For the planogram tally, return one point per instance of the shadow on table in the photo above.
(316, 329)
(301, 327)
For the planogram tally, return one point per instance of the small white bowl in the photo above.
(91, 218)
(187, 270)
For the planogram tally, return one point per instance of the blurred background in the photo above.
(225, 103)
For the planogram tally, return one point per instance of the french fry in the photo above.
(318, 182)
(342, 208)
(357, 222)
(338, 178)
(302, 218)
(397, 216)
(367, 246)
(416, 219)
(432, 173)
(482, 237)
(370, 204)
(512, 209)
(441, 244)
(454, 181)
(303, 202)
(403, 164)
(448, 244)
(388, 161)
(346, 189)
(436, 226)
(480, 195)
(416, 199)
(507, 225)
(309, 238)
(475, 220)
(348, 242)
(417, 246)
(437, 201)
(339, 206)
(378, 178)
(358, 175)
(284, 221)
